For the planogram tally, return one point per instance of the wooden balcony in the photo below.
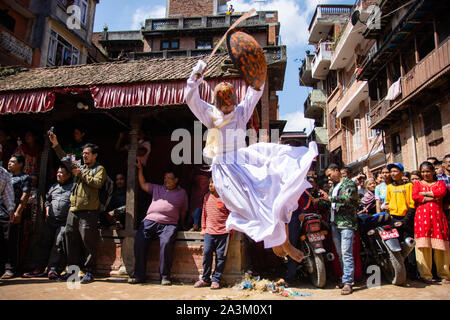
(419, 81)
(427, 69)
(379, 112)
(14, 51)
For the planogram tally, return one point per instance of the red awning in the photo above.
(154, 94)
(37, 101)
(112, 96)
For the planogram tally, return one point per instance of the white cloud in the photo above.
(294, 19)
(296, 121)
(143, 13)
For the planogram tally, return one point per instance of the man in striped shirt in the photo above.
(7, 195)
(216, 239)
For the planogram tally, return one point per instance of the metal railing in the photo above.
(330, 10)
(272, 54)
(215, 21)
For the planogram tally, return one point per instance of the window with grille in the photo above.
(357, 137)
(323, 161)
(203, 44)
(335, 123)
(396, 143)
(371, 133)
(60, 51)
(170, 44)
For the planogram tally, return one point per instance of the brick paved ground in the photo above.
(108, 289)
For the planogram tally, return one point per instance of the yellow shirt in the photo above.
(399, 199)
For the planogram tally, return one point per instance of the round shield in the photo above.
(248, 57)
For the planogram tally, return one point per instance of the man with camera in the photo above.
(81, 226)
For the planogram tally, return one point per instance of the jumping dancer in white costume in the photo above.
(260, 184)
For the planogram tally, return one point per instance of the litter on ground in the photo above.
(251, 282)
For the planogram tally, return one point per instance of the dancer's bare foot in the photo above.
(279, 251)
(292, 251)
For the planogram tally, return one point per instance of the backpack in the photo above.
(105, 192)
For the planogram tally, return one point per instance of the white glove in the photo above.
(201, 65)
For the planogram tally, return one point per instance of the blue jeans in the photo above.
(218, 244)
(197, 215)
(343, 241)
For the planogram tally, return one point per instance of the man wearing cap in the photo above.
(399, 200)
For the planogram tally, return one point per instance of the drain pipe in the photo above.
(413, 137)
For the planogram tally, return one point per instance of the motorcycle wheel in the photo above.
(394, 268)
(318, 276)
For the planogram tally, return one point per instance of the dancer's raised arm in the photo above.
(201, 109)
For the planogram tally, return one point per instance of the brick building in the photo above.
(369, 80)
(408, 71)
(16, 22)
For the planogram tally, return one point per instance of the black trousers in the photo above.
(50, 251)
(11, 238)
(82, 238)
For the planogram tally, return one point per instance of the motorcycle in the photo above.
(311, 243)
(383, 244)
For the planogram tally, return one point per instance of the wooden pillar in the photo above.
(402, 68)
(43, 169)
(131, 202)
(435, 33)
(416, 50)
(132, 177)
(388, 76)
(41, 192)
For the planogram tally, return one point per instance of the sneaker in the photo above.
(8, 274)
(135, 280)
(88, 278)
(202, 284)
(166, 282)
(215, 285)
(52, 274)
(33, 274)
(65, 276)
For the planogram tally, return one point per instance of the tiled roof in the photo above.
(117, 72)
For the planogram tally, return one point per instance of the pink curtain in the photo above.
(26, 102)
(154, 94)
(112, 96)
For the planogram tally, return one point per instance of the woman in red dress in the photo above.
(430, 225)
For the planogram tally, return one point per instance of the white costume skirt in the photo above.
(261, 185)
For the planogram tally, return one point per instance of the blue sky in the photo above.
(294, 17)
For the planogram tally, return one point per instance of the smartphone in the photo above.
(51, 131)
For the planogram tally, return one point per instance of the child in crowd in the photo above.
(216, 240)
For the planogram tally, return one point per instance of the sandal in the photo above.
(202, 284)
(445, 281)
(215, 285)
(347, 289)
